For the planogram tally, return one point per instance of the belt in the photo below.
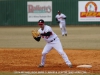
(53, 40)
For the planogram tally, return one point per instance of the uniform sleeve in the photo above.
(64, 16)
(37, 38)
(49, 29)
(56, 16)
(48, 32)
(57, 19)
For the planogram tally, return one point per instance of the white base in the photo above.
(84, 66)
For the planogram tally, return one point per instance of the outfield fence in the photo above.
(21, 12)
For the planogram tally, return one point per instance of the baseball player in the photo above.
(52, 40)
(60, 18)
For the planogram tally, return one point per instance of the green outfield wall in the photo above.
(14, 12)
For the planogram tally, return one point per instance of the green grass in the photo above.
(78, 38)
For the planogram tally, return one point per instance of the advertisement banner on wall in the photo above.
(88, 11)
(39, 10)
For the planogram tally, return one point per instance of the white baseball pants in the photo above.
(56, 44)
(62, 26)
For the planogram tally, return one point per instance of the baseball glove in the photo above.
(35, 33)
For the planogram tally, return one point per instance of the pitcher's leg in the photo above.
(46, 49)
(65, 57)
(60, 50)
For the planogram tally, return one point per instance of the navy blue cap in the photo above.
(41, 21)
(58, 11)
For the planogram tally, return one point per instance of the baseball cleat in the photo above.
(62, 35)
(41, 66)
(65, 34)
(70, 66)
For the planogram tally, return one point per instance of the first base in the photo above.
(84, 66)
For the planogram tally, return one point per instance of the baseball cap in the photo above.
(41, 21)
(58, 11)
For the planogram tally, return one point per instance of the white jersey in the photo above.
(45, 30)
(60, 17)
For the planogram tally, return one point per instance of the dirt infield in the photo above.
(20, 59)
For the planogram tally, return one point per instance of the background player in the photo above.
(60, 18)
(52, 40)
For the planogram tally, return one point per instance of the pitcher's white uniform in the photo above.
(52, 42)
(62, 24)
